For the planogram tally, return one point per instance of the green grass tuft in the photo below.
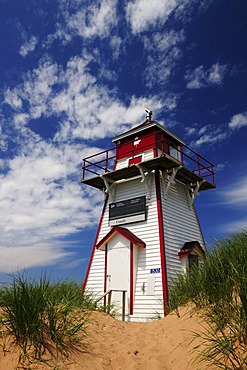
(44, 317)
(219, 288)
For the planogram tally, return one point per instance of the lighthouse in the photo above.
(148, 231)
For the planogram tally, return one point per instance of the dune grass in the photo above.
(219, 288)
(42, 317)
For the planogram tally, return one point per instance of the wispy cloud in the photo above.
(17, 258)
(237, 194)
(235, 226)
(87, 110)
(116, 44)
(11, 97)
(41, 199)
(210, 138)
(28, 46)
(199, 77)
(238, 120)
(207, 134)
(95, 20)
(163, 50)
(141, 14)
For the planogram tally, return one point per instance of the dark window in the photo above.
(193, 260)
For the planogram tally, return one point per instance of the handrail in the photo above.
(109, 293)
(204, 167)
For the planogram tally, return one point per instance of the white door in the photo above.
(118, 271)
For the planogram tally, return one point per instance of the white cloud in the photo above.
(210, 138)
(36, 91)
(98, 19)
(207, 134)
(220, 166)
(163, 54)
(28, 46)
(141, 14)
(238, 120)
(3, 140)
(237, 194)
(38, 199)
(235, 226)
(21, 119)
(88, 110)
(41, 199)
(116, 43)
(11, 98)
(199, 77)
(190, 130)
(17, 258)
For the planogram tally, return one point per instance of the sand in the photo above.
(113, 345)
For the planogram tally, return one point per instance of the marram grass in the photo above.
(219, 288)
(43, 317)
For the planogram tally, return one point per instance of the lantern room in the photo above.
(147, 141)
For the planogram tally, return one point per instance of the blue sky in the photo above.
(74, 74)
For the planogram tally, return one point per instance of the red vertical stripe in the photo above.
(161, 237)
(105, 278)
(131, 279)
(95, 242)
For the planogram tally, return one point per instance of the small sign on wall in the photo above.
(127, 211)
(150, 285)
(154, 271)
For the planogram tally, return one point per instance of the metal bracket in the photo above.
(110, 188)
(146, 179)
(170, 178)
(193, 192)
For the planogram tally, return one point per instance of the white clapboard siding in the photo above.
(148, 258)
(180, 226)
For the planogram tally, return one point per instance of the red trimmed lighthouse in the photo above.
(148, 231)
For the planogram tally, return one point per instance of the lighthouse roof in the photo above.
(193, 246)
(143, 127)
(127, 234)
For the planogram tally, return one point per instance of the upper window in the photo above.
(175, 152)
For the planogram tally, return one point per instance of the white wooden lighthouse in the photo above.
(148, 231)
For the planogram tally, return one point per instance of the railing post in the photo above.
(109, 302)
(182, 154)
(124, 302)
(83, 169)
(212, 170)
(106, 161)
(198, 163)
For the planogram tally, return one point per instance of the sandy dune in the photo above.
(163, 344)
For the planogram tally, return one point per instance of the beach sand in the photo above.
(113, 345)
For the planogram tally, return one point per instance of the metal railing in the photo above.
(108, 307)
(105, 161)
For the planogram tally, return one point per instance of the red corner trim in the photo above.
(183, 254)
(131, 279)
(105, 277)
(94, 246)
(161, 237)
